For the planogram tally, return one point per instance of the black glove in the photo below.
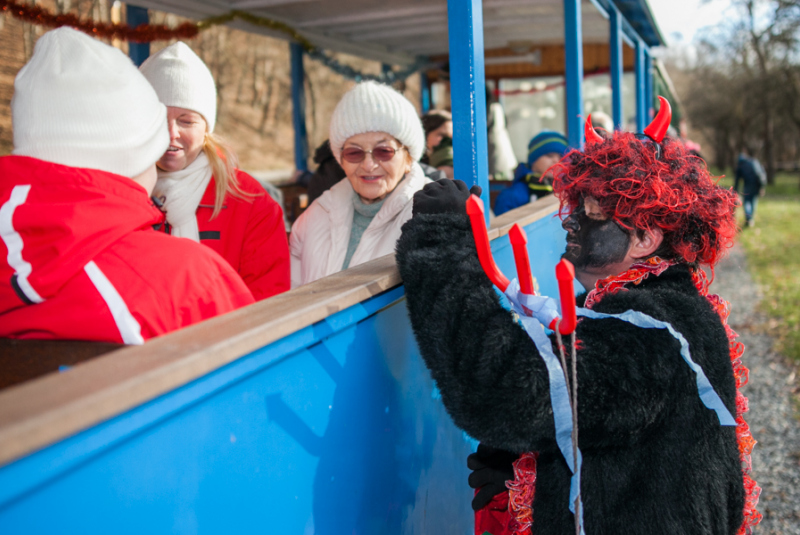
(491, 468)
(443, 197)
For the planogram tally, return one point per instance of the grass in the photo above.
(773, 256)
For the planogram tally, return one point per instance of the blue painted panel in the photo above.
(336, 428)
(138, 52)
(299, 107)
(615, 41)
(573, 72)
(468, 94)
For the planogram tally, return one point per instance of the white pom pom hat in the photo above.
(374, 107)
(82, 103)
(182, 80)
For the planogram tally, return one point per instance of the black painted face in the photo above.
(593, 240)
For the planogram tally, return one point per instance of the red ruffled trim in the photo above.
(743, 436)
(523, 488)
(520, 494)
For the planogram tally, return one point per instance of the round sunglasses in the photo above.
(379, 154)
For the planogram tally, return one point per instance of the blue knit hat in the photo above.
(545, 143)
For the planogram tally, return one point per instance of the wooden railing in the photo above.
(43, 411)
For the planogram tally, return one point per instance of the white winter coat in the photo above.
(319, 239)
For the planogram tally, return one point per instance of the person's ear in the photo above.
(644, 245)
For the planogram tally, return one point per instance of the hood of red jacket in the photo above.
(68, 216)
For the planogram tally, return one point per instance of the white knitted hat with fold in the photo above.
(82, 103)
(374, 107)
(182, 80)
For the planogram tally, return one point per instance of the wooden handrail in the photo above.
(45, 410)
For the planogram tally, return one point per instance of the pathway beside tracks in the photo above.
(773, 391)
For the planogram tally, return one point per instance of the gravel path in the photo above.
(772, 417)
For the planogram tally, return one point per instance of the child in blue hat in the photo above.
(531, 181)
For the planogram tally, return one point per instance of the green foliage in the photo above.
(773, 254)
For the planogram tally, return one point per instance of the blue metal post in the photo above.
(138, 52)
(573, 75)
(648, 81)
(641, 90)
(424, 92)
(299, 108)
(468, 94)
(616, 67)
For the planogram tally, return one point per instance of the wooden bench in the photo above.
(22, 360)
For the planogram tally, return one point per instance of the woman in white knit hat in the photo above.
(79, 257)
(377, 138)
(205, 197)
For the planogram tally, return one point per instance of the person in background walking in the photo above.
(754, 181)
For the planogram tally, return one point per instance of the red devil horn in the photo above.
(591, 134)
(658, 128)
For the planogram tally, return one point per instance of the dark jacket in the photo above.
(751, 174)
(328, 172)
(655, 459)
(525, 188)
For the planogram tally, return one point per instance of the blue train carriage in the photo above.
(310, 412)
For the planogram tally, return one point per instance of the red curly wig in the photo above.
(641, 190)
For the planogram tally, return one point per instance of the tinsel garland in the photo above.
(147, 33)
(144, 33)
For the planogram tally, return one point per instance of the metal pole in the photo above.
(641, 96)
(299, 107)
(573, 74)
(135, 16)
(468, 94)
(648, 80)
(424, 92)
(616, 67)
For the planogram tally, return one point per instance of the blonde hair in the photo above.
(224, 164)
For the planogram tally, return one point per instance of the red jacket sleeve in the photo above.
(264, 264)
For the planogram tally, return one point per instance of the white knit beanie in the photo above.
(82, 103)
(182, 80)
(374, 107)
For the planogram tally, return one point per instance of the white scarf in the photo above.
(182, 191)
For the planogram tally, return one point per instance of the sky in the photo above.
(680, 20)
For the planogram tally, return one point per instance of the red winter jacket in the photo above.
(249, 233)
(79, 260)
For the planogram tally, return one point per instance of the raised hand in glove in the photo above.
(444, 196)
(491, 468)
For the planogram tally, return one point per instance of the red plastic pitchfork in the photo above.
(565, 272)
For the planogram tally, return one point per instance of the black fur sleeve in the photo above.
(492, 379)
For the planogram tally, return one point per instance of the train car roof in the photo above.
(400, 31)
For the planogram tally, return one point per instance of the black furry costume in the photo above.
(655, 459)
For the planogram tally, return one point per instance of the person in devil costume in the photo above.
(642, 219)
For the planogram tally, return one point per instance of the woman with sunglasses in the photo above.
(377, 138)
(205, 197)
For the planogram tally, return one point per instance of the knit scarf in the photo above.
(181, 192)
(522, 489)
(535, 187)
